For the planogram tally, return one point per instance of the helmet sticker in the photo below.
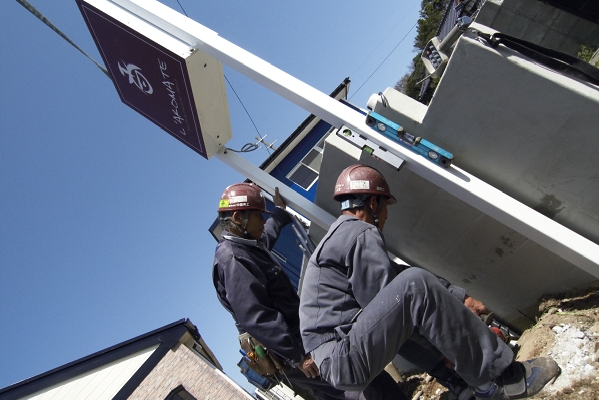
(357, 185)
(224, 203)
(238, 199)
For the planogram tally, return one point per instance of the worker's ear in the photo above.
(372, 202)
(237, 217)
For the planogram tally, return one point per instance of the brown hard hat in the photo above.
(361, 179)
(242, 196)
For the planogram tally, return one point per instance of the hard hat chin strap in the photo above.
(355, 202)
(244, 220)
(375, 214)
(359, 201)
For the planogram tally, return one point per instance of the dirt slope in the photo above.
(567, 331)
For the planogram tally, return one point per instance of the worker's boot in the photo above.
(520, 380)
(457, 387)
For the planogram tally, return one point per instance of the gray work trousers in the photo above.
(414, 301)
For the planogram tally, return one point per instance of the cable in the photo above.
(182, 9)
(385, 59)
(41, 17)
(382, 40)
(249, 145)
(246, 111)
(246, 148)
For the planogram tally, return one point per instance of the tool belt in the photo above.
(259, 358)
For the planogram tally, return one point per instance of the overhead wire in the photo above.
(246, 111)
(382, 40)
(248, 146)
(45, 20)
(385, 59)
(182, 9)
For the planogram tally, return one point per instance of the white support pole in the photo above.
(544, 231)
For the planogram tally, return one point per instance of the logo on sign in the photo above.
(136, 77)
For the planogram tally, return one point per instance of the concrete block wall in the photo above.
(181, 366)
(539, 23)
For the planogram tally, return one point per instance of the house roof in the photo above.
(165, 338)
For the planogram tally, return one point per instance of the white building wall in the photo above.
(102, 383)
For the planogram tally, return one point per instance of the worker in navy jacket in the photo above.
(247, 280)
(358, 310)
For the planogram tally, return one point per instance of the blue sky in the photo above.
(103, 216)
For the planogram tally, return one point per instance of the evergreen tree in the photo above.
(431, 13)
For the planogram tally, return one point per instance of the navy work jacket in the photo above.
(256, 291)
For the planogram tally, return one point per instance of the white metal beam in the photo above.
(548, 233)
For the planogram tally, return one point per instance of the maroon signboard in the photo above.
(148, 77)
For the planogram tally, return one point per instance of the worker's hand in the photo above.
(308, 367)
(278, 200)
(475, 306)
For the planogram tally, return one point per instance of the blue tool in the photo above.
(245, 356)
(418, 145)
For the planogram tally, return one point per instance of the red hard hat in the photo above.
(362, 179)
(242, 196)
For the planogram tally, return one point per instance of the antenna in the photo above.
(268, 146)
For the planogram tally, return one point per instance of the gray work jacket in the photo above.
(347, 270)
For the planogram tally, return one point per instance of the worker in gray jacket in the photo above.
(251, 284)
(357, 310)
